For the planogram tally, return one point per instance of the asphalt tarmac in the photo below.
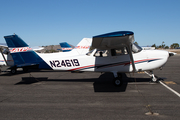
(54, 95)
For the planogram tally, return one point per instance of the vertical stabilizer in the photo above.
(22, 54)
(83, 46)
(65, 47)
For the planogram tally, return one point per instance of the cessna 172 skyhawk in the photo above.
(112, 52)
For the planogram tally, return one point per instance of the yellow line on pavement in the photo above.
(169, 82)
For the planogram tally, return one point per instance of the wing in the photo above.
(115, 40)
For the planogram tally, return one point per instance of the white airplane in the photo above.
(83, 46)
(113, 52)
(2, 61)
(5, 57)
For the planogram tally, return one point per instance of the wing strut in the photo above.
(131, 57)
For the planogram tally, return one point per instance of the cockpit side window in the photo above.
(111, 52)
(101, 53)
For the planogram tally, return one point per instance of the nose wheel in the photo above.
(154, 78)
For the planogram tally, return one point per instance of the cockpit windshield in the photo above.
(90, 52)
(136, 48)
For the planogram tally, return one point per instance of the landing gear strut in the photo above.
(153, 77)
(117, 79)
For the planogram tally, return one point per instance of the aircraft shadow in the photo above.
(19, 72)
(102, 84)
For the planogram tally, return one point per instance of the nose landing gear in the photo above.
(153, 77)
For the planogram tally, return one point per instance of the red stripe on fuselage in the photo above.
(81, 67)
(116, 64)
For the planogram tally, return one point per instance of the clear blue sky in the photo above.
(48, 22)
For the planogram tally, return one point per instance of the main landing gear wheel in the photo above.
(118, 81)
(13, 71)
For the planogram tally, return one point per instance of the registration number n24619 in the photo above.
(64, 63)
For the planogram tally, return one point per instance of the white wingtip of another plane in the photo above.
(172, 53)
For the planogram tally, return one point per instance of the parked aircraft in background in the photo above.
(5, 57)
(113, 52)
(83, 46)
(65, 47)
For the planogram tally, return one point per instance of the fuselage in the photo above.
(144, 60)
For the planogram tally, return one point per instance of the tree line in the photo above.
(163, 46)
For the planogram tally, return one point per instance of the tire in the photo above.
(118, 82)
(13, 71)
(154, 80)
